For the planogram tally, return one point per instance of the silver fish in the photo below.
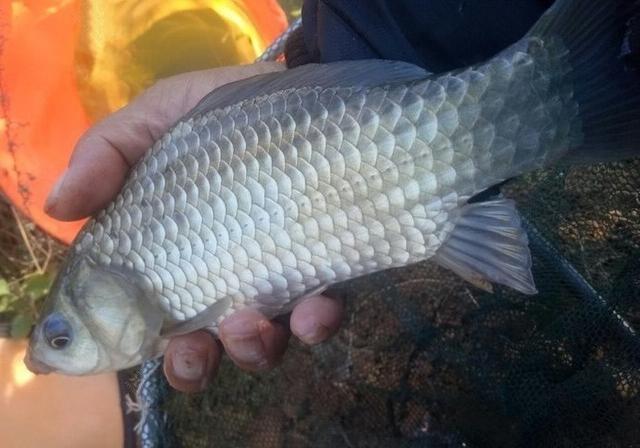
(276, 187)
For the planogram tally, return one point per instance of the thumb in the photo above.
(105, 153)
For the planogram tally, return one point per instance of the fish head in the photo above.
(95, 319)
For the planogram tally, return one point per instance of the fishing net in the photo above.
(425, 359)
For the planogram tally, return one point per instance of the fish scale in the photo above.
(274, 197)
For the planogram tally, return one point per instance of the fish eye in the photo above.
(59, 342)
(57, 331)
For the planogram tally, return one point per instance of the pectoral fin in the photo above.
(488, 244)
(205, 319)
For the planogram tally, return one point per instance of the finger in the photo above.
(191, 361)
(252, 341)
(316, 319)
(103, 155)
(99, 165)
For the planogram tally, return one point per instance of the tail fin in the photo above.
(603, 41)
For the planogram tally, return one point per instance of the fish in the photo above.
(279, 186)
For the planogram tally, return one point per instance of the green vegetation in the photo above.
(28, 260)
(19, 304)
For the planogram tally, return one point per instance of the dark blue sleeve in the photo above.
(438, 35)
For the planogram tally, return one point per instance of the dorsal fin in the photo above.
(362, 73)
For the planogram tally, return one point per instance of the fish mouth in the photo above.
(36, 366)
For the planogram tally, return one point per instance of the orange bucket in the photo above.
(66, 63)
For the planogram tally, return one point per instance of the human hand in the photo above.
(107, 151)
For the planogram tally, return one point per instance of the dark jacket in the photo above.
(438, 35)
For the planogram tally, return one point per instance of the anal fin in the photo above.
(488, 245)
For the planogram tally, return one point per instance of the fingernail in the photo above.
(52, 199)
(189, 365)
(312, 332)
(244, 344)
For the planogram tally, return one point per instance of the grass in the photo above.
(28, 261)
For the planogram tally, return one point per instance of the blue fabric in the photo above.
(438, 35)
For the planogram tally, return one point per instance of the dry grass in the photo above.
(28, 257)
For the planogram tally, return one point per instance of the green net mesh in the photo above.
(425, 359)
